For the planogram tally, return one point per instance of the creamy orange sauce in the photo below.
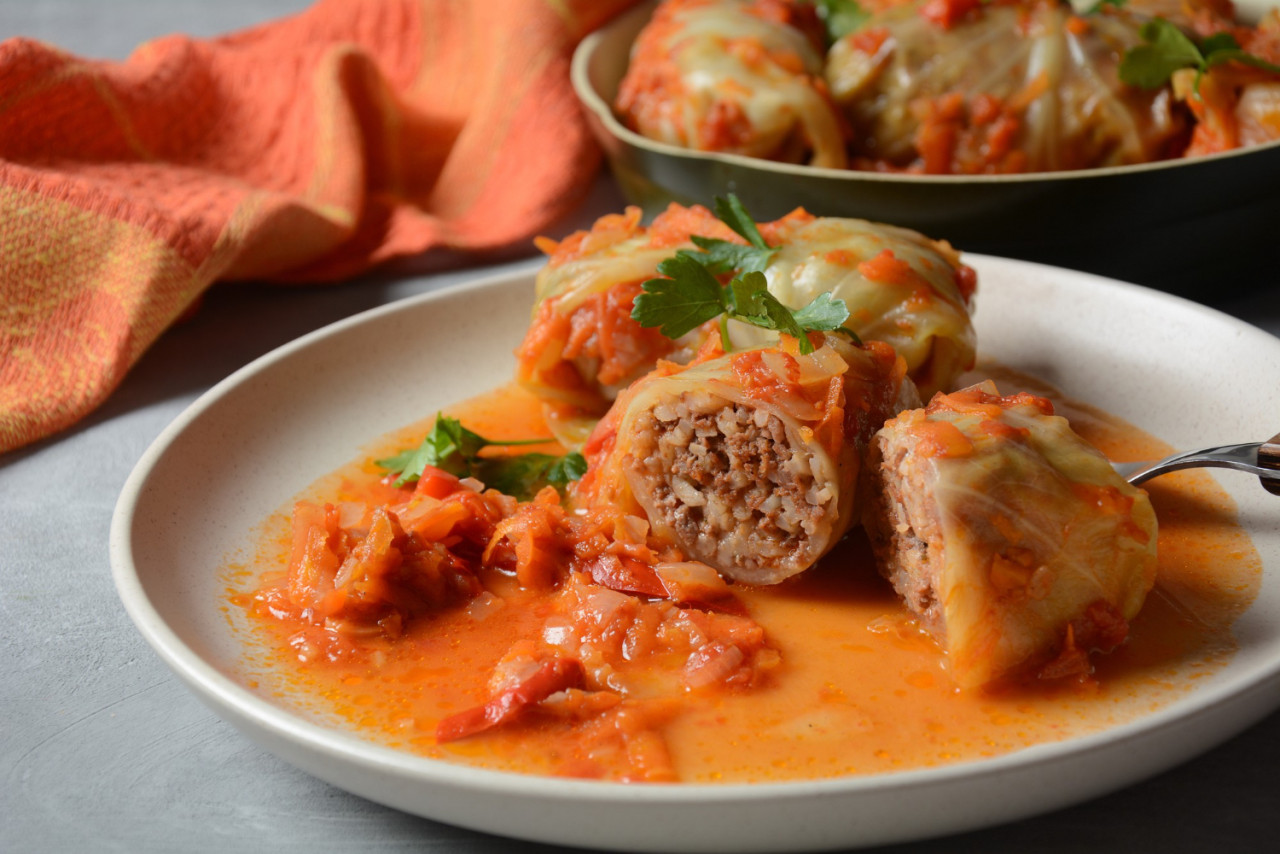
(859, 689)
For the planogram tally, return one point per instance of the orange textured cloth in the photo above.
(306, 149)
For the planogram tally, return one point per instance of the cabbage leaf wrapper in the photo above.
(900, 287)
(734, 76)
(1013, 540)
(1016, 86)
(583, 347)
(749, 461)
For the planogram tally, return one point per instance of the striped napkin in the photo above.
(308, 149)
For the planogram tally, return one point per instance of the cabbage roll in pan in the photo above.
(750, 461)
(1013, 540)
(1013, 86)
(734, 76)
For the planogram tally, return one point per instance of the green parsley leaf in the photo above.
(721, 256)
(1218, 42)
(731, 212)
(682, 302)
(453, 448)
(824, 314)
(448, 447)
(745, 294)
(1167, 49)
(523, 475)
(752, 303)
(840, 17)
(686, 299)
(572, 466)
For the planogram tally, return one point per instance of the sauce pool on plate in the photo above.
(847, 682)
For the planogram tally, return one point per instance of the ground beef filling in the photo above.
(732, 485)
(902, 523)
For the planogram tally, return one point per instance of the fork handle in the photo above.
(1269, 458)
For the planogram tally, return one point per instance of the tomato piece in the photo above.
(556, 674)
(626, 575)
(436, 483)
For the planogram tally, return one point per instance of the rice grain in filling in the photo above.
(904, 529)
(731, 483)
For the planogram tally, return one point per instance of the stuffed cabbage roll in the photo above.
(734, 76)
(1012, 539)
(1016, 86)
(583, 346)
(750, 461)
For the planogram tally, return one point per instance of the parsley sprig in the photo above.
(723, 256)
(1167, 49)
(690, 294)
(453, 448)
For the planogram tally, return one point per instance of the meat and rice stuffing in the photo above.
(1012, 539)
(750, 461)
(731, 482)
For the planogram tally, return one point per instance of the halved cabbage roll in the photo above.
(1012, 539)
(1015, 86)
(750, 461)
(734, 76)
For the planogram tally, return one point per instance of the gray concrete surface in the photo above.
(101, 749)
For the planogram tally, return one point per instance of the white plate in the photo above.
(1187, 374)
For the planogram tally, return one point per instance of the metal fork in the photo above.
(1260, 458)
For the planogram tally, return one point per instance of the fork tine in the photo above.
(1258, 458)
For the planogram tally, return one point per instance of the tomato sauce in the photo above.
(846, 684)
